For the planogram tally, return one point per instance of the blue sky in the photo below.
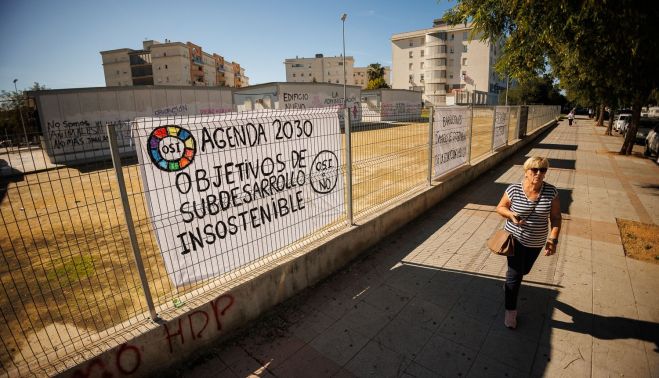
(57, 43)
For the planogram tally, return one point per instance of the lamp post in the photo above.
(343, 19)
(507, 79)
(21, 113)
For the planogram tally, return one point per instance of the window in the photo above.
(337, 81)
(451, 51)
(450, 62)
(164, 54)
(421, 78)
(410, 66)
(422, 53)
(464, 61)
(421, 65)
(165, 66)
(293, 75)
(450, 76)
(117, 72)
(411, 78)
(464, 36)
(340, 63)
(411, 43)
(464, 48)
(411, 55)
(452, 36)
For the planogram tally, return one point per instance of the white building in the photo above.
(322, 69)
(170, 63)
(446, 66)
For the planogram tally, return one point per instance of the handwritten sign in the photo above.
(500, 134)
(223, 192)
(450, 139)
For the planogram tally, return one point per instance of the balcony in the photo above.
(197, 60)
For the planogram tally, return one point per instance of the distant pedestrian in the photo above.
(527, 207)
(570, 117)
(590, 113)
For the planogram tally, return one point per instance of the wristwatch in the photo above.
(553, 241)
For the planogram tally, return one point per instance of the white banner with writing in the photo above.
(500, 135)
(450, 130)
(228, 189)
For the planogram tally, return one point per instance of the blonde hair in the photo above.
(536, 162)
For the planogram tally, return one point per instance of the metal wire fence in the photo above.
(211, 198)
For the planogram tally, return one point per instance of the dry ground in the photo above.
(67, 261)
(640, 240)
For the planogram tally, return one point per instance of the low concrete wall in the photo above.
(214, 314)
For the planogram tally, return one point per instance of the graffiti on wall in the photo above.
(128, 358)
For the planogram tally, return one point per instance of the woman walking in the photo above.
(528, 206)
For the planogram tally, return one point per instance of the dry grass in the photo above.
(640, 240)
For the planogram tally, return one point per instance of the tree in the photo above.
(377, 83)
(375, 74)
(11, 105)
(537, 90)
(610, 46)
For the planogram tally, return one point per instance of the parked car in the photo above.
(622, 122)
(644, 127)
(652, 142)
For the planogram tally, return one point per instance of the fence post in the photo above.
(494, 122)
(430, 126)
(346, 122)
(471, 134)
(116, 162)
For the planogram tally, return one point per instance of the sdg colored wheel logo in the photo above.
(171, 148)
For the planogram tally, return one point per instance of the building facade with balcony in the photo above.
(444, 64)
(170, 63)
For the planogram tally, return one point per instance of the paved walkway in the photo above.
(428, 300)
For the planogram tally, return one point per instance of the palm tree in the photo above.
(375, 71)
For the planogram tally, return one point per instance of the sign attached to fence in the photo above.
(500, 135)
(450, 135)
(226, 190)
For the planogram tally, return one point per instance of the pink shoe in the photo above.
(510, 319)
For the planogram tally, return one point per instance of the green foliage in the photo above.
(377, 83)
(601, 52)
(537, 90)
(375, 71)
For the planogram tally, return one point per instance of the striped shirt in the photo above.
(533, 233)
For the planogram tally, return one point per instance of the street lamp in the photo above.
(21, 113)
(343, 19)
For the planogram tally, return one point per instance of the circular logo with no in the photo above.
(324, 172)
(171, 148)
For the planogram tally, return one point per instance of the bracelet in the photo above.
(553, 241)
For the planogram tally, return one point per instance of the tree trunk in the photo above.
(609, 128)
(630, 137)
(600, 118)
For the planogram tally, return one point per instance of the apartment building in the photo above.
(170, 63)
(444, 64)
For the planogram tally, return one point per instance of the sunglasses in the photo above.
(536, 170)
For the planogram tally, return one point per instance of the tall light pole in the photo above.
(21, 113)
(507, 79)
(343, 19)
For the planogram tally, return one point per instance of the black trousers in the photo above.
(518, 266)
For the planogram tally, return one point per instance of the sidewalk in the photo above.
(428, 300)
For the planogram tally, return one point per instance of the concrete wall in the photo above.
(218, 312)
(73, 120)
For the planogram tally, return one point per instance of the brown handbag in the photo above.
(501, 243)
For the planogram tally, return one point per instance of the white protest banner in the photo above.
(499, 137)
(450, 140)
(225, 190)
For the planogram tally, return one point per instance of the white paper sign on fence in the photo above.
(450, 138)
(500, 135)
(228, 189)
